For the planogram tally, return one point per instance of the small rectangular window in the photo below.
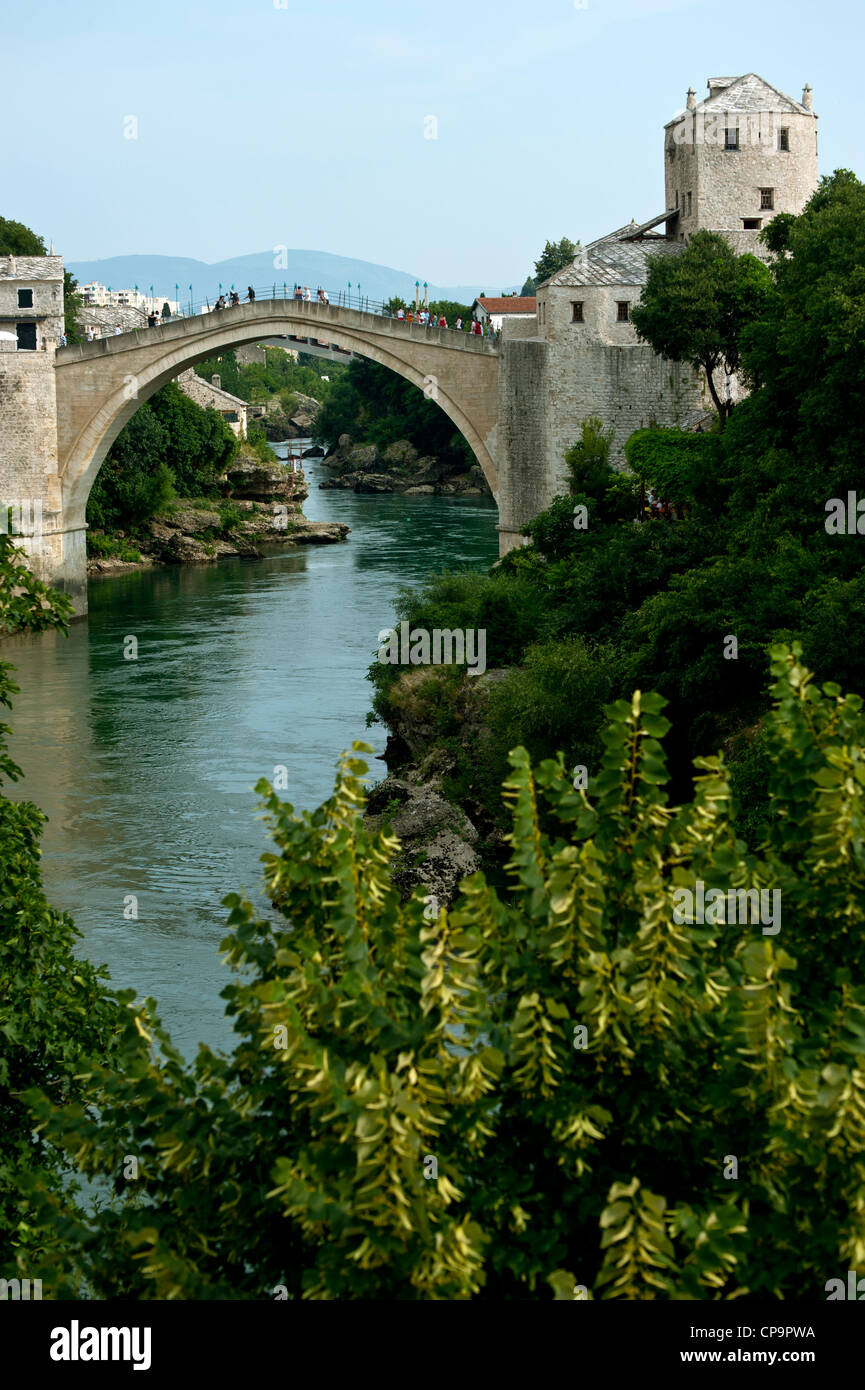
(767, 197)
(731, 137)
(578, 311)
(26, 333)
(752, 224)
(677, 197)
(623, 305)
(25, 299)
(689, 205)
(784, 138)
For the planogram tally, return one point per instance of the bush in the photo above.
(516, 1097)
(100, 544)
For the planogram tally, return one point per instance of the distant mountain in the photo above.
(312, 268)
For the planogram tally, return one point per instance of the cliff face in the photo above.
(295, 423)
(399, 468)
(444, 836)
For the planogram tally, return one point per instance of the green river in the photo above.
(145, 768)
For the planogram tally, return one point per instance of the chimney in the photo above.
(808, 98)
(216, 380)
(691, 99)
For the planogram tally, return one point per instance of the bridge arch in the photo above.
(101, 385)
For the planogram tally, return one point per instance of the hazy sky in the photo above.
(286, 122)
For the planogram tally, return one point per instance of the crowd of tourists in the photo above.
(430, 319)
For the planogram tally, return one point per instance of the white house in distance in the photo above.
(100, 296)
(233, 410)
(491, 310)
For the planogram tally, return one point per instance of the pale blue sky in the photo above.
(261, 126)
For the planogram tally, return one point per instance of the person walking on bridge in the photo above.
(250, 294)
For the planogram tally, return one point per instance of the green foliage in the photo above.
(554, 257)
(18, 240)
(169, 445)
(258, 381)
(681, 468)
(374, 405)
(554, 699)
(588, 461)
(508, 610)
(412, 1111)
(256, 440)
(808, 347)
(695, 306)
(452, 310)
(749, 555)
(100, 544)
(72, 305)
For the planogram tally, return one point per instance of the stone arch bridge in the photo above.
(481, 385)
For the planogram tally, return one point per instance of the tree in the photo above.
(807, 350)
(554, 257)
(72, 305)
(18, 240)
(529, 287)
(635, 1074)
(375, 405)
(696, 305)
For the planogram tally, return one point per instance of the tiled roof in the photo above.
(509, 304)
(750, 93)
(615, 259)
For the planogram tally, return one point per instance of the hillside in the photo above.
(311, 268)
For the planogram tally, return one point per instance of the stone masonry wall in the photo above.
(526, 481)
(725, 184)
(598, 367)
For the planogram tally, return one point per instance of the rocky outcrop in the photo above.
(437, 839)
(441, 842)
(264, 508)
(399, 468)
(250, 479)
(296, 424)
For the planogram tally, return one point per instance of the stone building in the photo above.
(736, 159)
(210, 394)
(31, 329)
(732, 163)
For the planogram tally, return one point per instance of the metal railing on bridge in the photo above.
(348, 298)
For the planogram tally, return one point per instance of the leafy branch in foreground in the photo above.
(584, 1084)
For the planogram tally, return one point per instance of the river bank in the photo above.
(263, 506)
(401, 468)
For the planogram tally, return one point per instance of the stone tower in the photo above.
(31, 329)
(736, 159)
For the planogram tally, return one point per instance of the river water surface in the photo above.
(145, 768)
